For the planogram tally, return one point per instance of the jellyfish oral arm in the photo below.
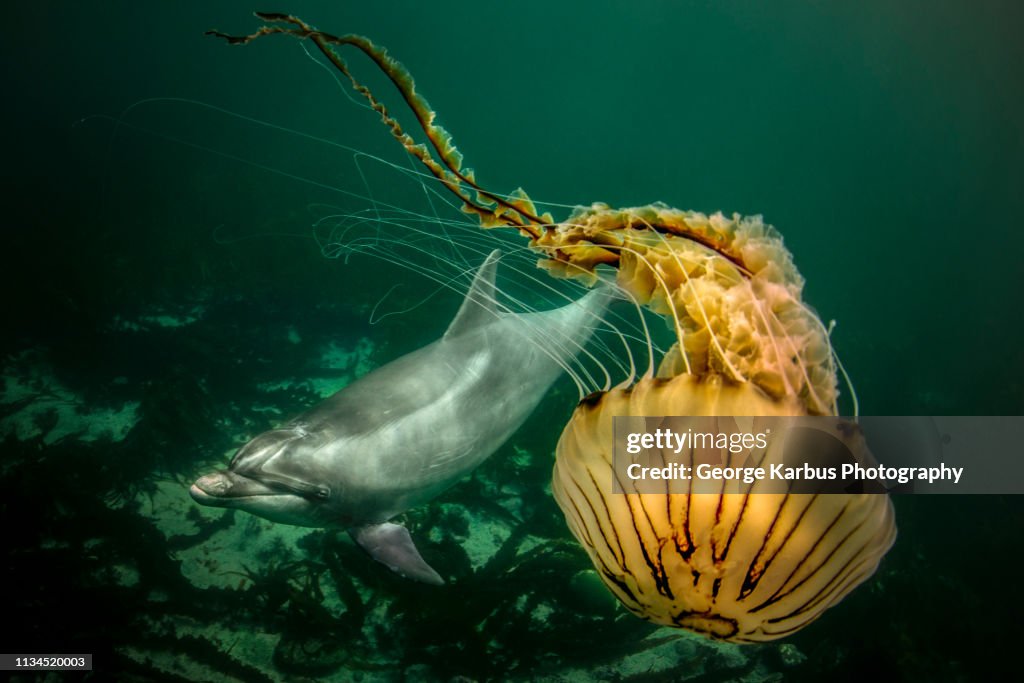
(494, 210)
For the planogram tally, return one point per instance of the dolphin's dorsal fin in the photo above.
(392, 545)
(478, 307)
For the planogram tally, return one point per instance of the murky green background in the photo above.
(884, 140)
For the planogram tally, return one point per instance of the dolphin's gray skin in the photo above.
(399, 436)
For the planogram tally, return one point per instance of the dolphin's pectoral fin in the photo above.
(391, 544)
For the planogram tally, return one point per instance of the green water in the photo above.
(166, 301)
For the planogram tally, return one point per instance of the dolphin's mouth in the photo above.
(226, 489)
(269, 500)
(203, 498)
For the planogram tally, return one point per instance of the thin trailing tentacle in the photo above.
(493, 210)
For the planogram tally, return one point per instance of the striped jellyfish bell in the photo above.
(727, 562)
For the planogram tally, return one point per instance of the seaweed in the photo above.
(326, 606)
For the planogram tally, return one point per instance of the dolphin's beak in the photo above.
(225, 489)
(211, 489)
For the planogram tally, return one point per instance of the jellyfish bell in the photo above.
(744, 567)
(734, 566)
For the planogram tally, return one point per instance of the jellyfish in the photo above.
(728, 565)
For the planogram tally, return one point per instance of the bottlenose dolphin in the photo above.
(405, 432)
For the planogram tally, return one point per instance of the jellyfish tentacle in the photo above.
(492, 209)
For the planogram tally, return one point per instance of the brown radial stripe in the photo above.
(621, 555)
(657, 570)
(782, 592)
(836, 581)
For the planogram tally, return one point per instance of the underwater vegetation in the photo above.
(114, 563)
(158, 588)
